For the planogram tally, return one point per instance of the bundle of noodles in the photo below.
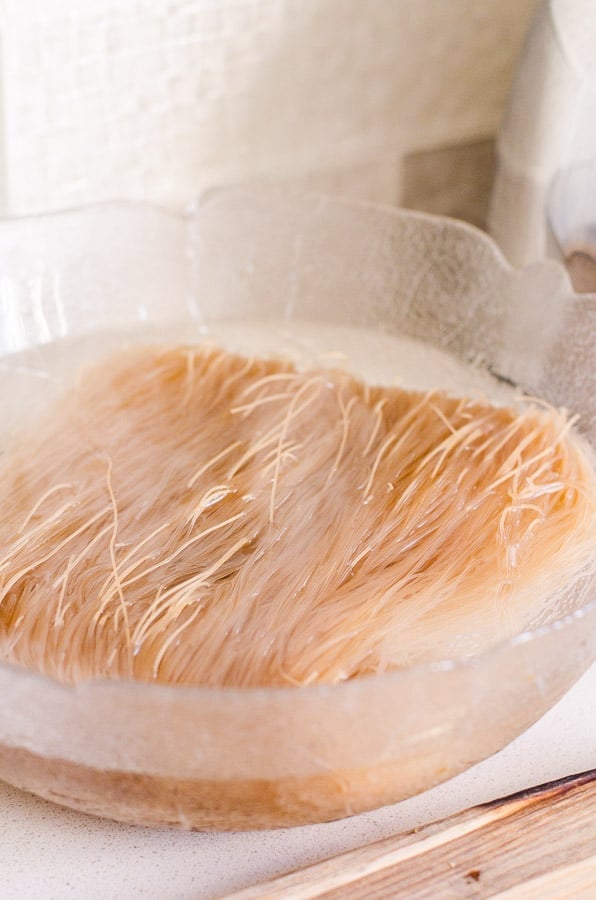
(194, 517)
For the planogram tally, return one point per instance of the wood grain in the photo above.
(540, 843)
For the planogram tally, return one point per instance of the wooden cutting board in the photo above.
(539, 844)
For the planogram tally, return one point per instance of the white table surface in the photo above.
(50, 852)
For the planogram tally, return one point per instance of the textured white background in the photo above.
(160, 99)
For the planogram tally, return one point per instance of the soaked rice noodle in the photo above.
(191, 516)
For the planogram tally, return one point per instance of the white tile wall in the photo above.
(160, 99)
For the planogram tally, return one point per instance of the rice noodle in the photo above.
(191, 516)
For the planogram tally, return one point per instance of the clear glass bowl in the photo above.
(230, 758)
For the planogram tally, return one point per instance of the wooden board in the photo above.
(539, 844)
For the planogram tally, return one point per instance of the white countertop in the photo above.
(49, 852)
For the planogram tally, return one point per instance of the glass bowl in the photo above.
(262, 757)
